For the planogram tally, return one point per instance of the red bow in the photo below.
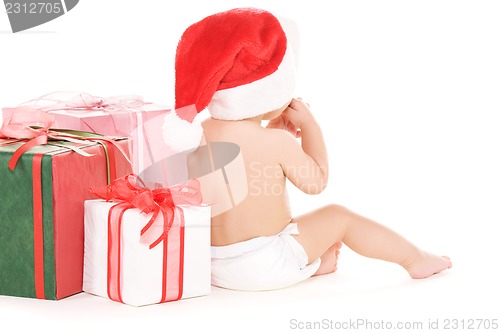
(131, 192)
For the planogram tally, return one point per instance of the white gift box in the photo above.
(142, 267)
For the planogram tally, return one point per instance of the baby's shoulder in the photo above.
(248, 136)
(270, 137)
(278, 137)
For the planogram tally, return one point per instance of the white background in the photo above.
(407, 93)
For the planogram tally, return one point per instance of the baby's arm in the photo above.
(305, 165)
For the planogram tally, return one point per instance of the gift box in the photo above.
(41, 213)
(126, 116)
(138, 258)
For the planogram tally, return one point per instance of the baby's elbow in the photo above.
(314, 188)
(320, 188)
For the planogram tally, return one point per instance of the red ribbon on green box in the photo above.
(32, 127)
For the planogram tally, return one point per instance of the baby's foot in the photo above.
(329, 260)
(426, 264)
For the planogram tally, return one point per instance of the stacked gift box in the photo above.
(122, 116)
(57, 239)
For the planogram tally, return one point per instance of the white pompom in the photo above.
(179, 134)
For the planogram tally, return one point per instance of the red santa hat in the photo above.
(238, 64)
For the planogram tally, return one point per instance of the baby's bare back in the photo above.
(265, 210)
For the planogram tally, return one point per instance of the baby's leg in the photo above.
(320, 229)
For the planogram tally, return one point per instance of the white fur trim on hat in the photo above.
(258, 97)
(179, 134)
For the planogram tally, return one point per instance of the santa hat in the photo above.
(237, 63)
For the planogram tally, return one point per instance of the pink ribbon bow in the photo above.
(82, 101)
(120, 108)
(26, 124)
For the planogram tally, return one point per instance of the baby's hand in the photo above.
(293, 118)
(282, 122)
(298, 113)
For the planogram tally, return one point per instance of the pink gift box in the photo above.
(144, 128)
(125, 116)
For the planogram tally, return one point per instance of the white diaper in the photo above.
(262, 263)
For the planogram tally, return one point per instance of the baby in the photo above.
(258, 244)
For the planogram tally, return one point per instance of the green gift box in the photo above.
(41, 213)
